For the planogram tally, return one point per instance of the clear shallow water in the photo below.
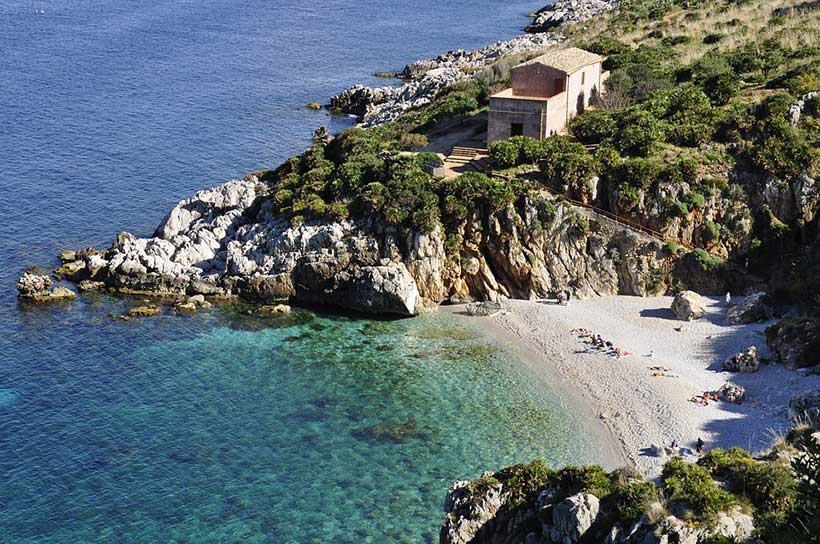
(223, 427)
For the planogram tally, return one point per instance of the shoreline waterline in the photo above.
(640, 407)
(611, 453)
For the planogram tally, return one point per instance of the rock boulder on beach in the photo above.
(753, 308)
(805, 407)
(572, 518)
(688, 305)
(795, 341)
(745, 361)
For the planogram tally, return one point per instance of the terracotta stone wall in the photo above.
(535, 80)
(556, 115)
(580, 88)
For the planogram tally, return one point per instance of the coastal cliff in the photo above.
(228, 241)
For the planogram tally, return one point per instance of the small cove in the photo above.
(223, 427)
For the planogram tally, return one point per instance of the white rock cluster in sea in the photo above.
(569, 11)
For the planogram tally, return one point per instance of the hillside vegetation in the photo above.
(696, 137)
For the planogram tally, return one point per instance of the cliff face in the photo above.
(226, 241)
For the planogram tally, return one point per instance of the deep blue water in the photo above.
(223, 427)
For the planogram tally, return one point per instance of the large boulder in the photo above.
(572, 518)
(745, 361)
(753, 308)
(688, 305)
(796, 342)
(805, 407)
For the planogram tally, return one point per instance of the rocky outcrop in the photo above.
(753, 308)
(793, 201)
(489, 511)
(805, 408)
(470, 511)
(572, 518)
(745, 361)
(40, 288)
(227, 241)
(799, 106)
(795, 342)
(688, 305)
(569, 11)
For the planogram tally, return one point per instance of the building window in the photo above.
(558, 85)
(517, 129)
(583, 77)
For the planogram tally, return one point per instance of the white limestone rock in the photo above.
(688, 305)
(572, 518)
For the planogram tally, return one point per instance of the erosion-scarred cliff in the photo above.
(227, 241)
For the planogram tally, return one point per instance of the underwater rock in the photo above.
(148, 310)
(389, 432)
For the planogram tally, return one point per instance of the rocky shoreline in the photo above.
(227, 242)
(427, 78)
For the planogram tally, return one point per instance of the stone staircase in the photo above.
(469, 157)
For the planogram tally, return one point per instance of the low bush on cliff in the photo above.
(693, 485)
(359, 174)
(779, 490)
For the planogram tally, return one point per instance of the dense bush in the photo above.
(630, 501)
(566, 164)
(586, 479)
(693, 484)
(504, 154)
(594, 126)
(523, 482)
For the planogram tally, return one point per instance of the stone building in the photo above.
(546, 93)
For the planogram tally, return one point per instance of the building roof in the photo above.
(508, 93)
(567, 60)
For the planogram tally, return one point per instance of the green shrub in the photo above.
(638, 132)
(638, 172)
(693, 484)
(428, 159)
(586, 479)
(567, 164)
(770, 486)
(712, 38)
(695, 200)
(530, 150)
(676, 40)
(678, 208)
(632, 500)
(721, 88)
(593, 126)
(706, 261)
(711, 231)
(672, 247)
(524, 481)
(504, 154)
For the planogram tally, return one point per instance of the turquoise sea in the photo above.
(224, 427)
